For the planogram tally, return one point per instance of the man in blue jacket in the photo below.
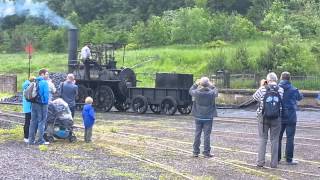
(204, 94)
(39, 110)
(289, 117)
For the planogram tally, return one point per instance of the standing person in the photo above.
(85, 52)
(88, 117)
(52, 88)
(289, 116)
(204, 94)
(85, 56)
(26, 107)
(39, 110)
(68, 92)
(268, 113)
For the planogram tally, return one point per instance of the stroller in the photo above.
(59, 122)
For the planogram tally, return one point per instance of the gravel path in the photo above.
(129, 146)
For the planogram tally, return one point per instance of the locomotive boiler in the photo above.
(100, 78)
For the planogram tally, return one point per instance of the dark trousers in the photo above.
(290, 129)
(26, 124)
(87, 134)
(72, 109)
(206, 127)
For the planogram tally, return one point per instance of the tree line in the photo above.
(148, 23)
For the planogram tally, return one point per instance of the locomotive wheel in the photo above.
(169, 105)
(139, 104)
(82, 94)
(122, 106)
(155, 108)
(185, 109)
(104, 98)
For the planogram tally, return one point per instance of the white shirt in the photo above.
(85, 52)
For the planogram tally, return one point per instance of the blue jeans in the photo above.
(38, 121)
(206, 127)
(290, 129)
(72, 109)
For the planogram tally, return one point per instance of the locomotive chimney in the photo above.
(72, 46)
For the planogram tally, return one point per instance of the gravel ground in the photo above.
(129, 146)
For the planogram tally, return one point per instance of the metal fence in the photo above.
(240, 81)
(252, 81)
(8, 83)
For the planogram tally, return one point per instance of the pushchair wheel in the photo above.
(50, 139)
(72, 139)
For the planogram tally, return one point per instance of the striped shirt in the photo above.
(259, 95)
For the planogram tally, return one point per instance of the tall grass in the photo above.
(145, 62)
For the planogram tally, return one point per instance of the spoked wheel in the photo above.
(49, 139)
(104, 98)
(185, 109)
(139, 104)
(155, 108)
(122, 106)
(82, 94)
(72, 139)
(169, 105)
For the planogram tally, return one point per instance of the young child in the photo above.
(88, 116)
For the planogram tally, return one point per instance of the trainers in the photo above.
(26, 140)
(259, 165)
(45, 143)
(293, 162)
(208, 155)
(195, 155)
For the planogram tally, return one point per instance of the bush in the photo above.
(55, 41)
(231, 27)
(287, 54)
(217, 62)
(191, 25)
(240, 62)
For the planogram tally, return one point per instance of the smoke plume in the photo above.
(34, 9)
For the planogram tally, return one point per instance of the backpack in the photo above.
(271, 103)
(31, 92)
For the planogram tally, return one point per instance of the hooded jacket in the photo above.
(43, 91)
(289, 102)
(88, 115)
(26, 105)
(204, 102)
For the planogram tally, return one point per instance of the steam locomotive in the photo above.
(112, 87)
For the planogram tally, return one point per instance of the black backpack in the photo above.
(271, 103)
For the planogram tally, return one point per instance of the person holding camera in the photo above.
(269, 96)
(204, 94)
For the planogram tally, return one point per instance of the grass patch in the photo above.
(13, 134)
(43, 148)
(119, 173)
(64, 167)
(13, 108)
(113, 130)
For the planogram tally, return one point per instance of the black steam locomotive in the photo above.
(109, 86)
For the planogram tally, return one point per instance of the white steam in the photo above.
(34, 9)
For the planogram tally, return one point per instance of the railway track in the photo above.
(221, 148)
(14, 118)
(251, 168)
(7, 117)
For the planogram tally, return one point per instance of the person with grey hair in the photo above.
(68, 92)
(289, 116)
(269, 96)
(204, 94)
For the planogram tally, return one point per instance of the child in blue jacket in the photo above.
(88, 116)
